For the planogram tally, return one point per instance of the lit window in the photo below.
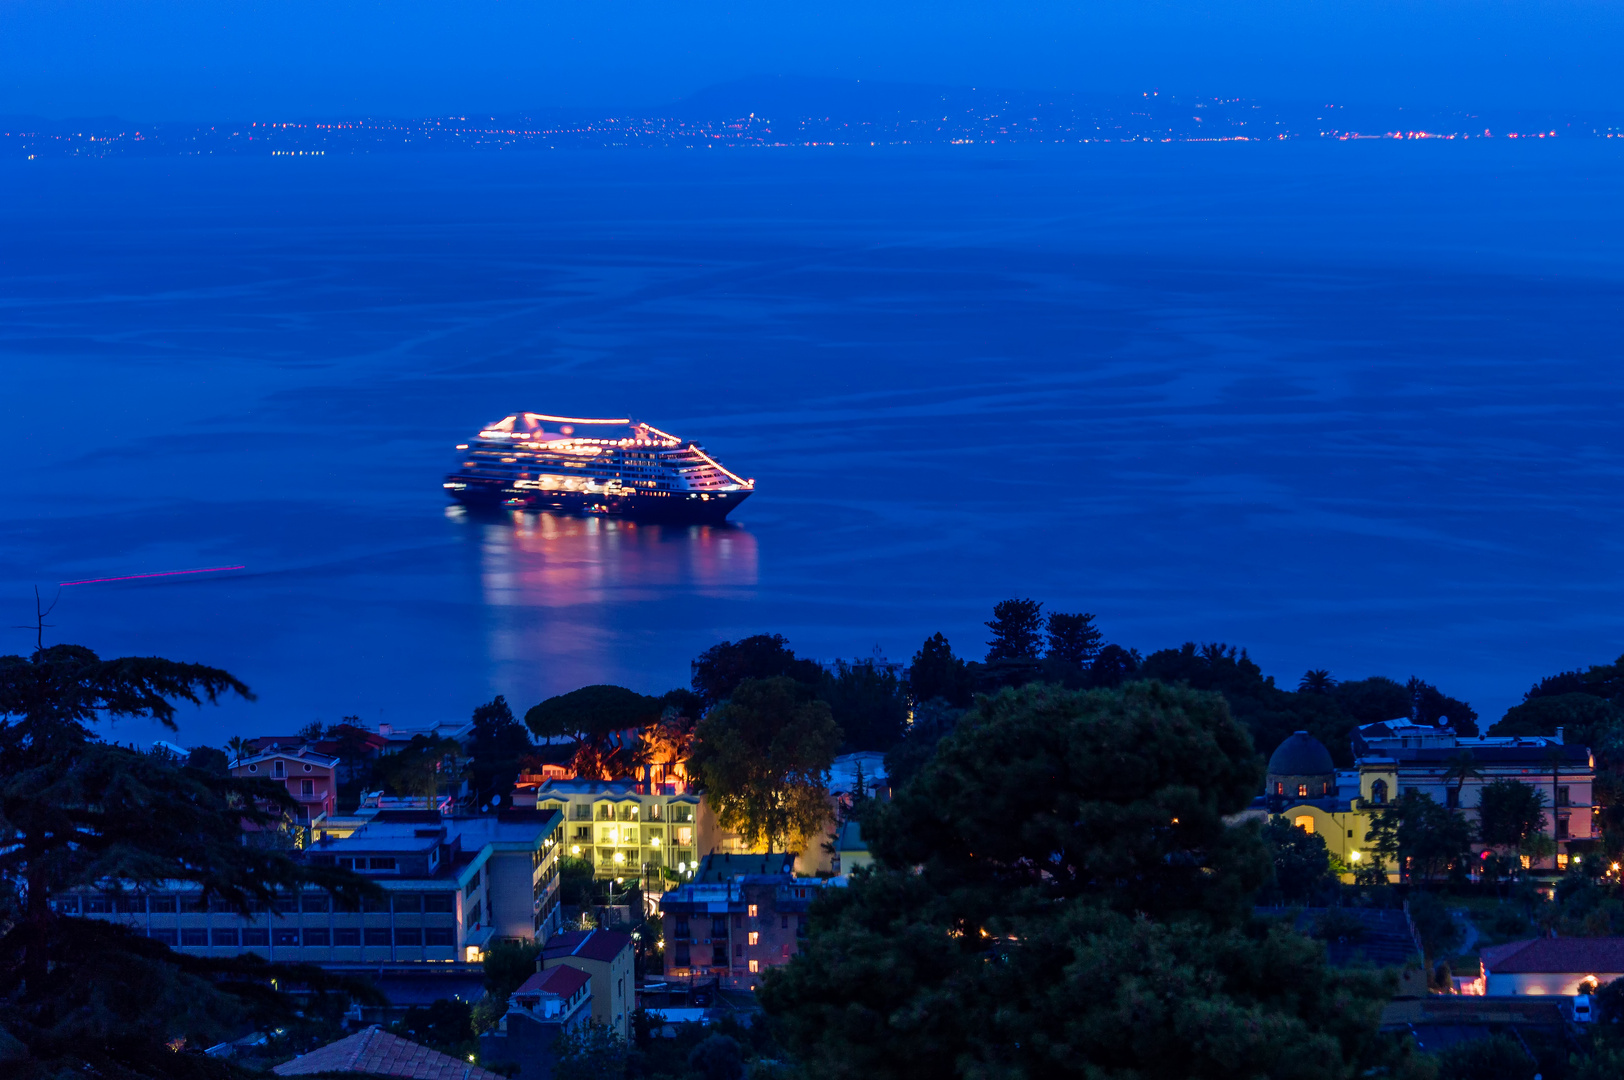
(752, 911)
(1305, 823)
(755, 966)
(1302, 791)
(755, 938)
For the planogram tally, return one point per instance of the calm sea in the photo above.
(1353, 406)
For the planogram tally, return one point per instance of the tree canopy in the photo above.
(1421, 838)
(721, 668)
(79, 813)
(497, 748)
(1509, 812)
(762, 756)
(937, 673)
(1017, 630)
(1056, 894)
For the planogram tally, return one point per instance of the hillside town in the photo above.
(633, 883)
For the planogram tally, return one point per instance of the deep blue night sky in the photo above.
(205, 59)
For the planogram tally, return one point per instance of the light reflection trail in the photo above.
(160, 573)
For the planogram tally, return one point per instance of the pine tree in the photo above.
(1074, 638)
(79, 813)
(1017, 630)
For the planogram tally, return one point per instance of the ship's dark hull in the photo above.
(638, 506)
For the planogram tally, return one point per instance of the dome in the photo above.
(1301, 755)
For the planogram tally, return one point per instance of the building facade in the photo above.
(448, 892)
(311, 777)
(605, 957)
(741, 915)
(623, 832)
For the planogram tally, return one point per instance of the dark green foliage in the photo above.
(722, 667)
(590, 1052)
(1582, 716)
(418, 768)
(1074, 638)
(1316, 681)
(588, 714)
(507, 965)
(496, 747)
(1509, 812)
(1600, 680)
(208, 759)
(1372, 700)
(1499, 1057)
(1302, 863)
(1017, 630)
(761, 757)
(79, 812)
(932, 720)
(1057, 895)
(1418, 836)
(445, 1025)
(1068, 792)
(868, 701)
(1113, 666)
(1338, 924)
(1439, 932)
(937, 673)
(575, 878)
(717, 1058)
(1428, 706)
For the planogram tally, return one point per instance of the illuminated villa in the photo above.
(532, 461)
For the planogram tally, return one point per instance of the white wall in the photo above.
(1544, 982)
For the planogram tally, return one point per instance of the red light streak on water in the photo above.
(161, 573)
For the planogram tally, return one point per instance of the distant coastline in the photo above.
(779, 113)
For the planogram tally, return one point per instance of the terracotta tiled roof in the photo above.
(379, 1053)
(602, 945)
(563, 981)
(1584, 956)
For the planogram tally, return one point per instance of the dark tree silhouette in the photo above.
(1316, 681)
(1074, 638)
(1017, 630)
(724, 666)
(937, 673)
(496, 747)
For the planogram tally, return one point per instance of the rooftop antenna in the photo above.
(39, 623)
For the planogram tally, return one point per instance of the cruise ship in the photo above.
(534, 461)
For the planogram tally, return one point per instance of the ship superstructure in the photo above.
(535, 461)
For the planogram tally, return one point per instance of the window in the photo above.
(682, 926)
(682, 812)
(738, 950)
(164, 937)
(581, 812)
(783, 950)
(800, 926)
(719, 926)
(409, 903)
(475, 913)
(441, 935)
(307, 787)
(1561, 826)
(284, 937)
(1279, 787)
(408, 936)
(346, 936)
(223, 937)
(439, 903)
(97, 905)
(377, 935)
(130, 905)
(719, 956)
(783, 922)
(684, 957)
(1562, 797)
(219, 905)
(375, 904)
(1302, 791)
(755, 966)
(161, 905)
(279, 770)
(307, 768)
(67, 905)
(1305, 822)
(194, 938)
(380, 863)
(314, 902)
(738, 922)
(1378, 792)
(752, 911)
(285, 905)
(317, 935)
(256, 935)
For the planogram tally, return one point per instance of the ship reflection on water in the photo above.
(623, 601)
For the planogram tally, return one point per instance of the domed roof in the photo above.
(1301, 755)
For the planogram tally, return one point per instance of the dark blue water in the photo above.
(1352, 406)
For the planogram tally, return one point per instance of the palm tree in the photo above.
(238, 747)
(1460, 768)
(1317, 681)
